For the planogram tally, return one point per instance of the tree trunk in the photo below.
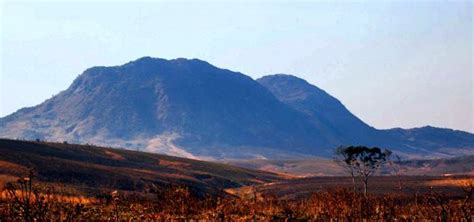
(354, 183)
(365, 186)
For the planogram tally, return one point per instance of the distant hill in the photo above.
(323, 109)
(193, 109)
(90, 167)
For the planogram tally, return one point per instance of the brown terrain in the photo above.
(46, 181)
(89, 168)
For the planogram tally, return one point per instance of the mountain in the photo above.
(166, 106)
(193, 109)
(320, 107)
(94, 168)
(431, 140)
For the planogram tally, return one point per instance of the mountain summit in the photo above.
(192, 108)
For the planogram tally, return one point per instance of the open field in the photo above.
(463, 165)
(378, 185)
(54, 181)
(251, 204)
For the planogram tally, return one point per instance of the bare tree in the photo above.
(364, 161)
(346, 160)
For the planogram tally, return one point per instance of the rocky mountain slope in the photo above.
(191, 108)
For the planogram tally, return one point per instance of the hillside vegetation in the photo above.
(92, 168)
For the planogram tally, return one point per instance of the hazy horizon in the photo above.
(389, 70)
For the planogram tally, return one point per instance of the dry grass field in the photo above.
(378, 185)
(62, 182)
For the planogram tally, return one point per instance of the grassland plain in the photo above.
(46, 181)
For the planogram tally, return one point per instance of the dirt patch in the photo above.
(246, 192)
(114, 156)
(177, 176)
(166, 175)
(173, 163)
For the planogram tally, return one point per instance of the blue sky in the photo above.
(392, 63)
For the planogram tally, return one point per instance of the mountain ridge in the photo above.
(189, 107)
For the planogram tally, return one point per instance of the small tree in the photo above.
(346, 160)
(364, 161)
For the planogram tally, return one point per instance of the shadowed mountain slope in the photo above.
(320, 107)
(193, 109)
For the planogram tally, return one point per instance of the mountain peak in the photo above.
(188, 106)
(146, 60)
(154, 103)
(283, 76)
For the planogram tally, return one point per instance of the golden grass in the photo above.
(455, 182)
(181, 204)
(55, 198)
